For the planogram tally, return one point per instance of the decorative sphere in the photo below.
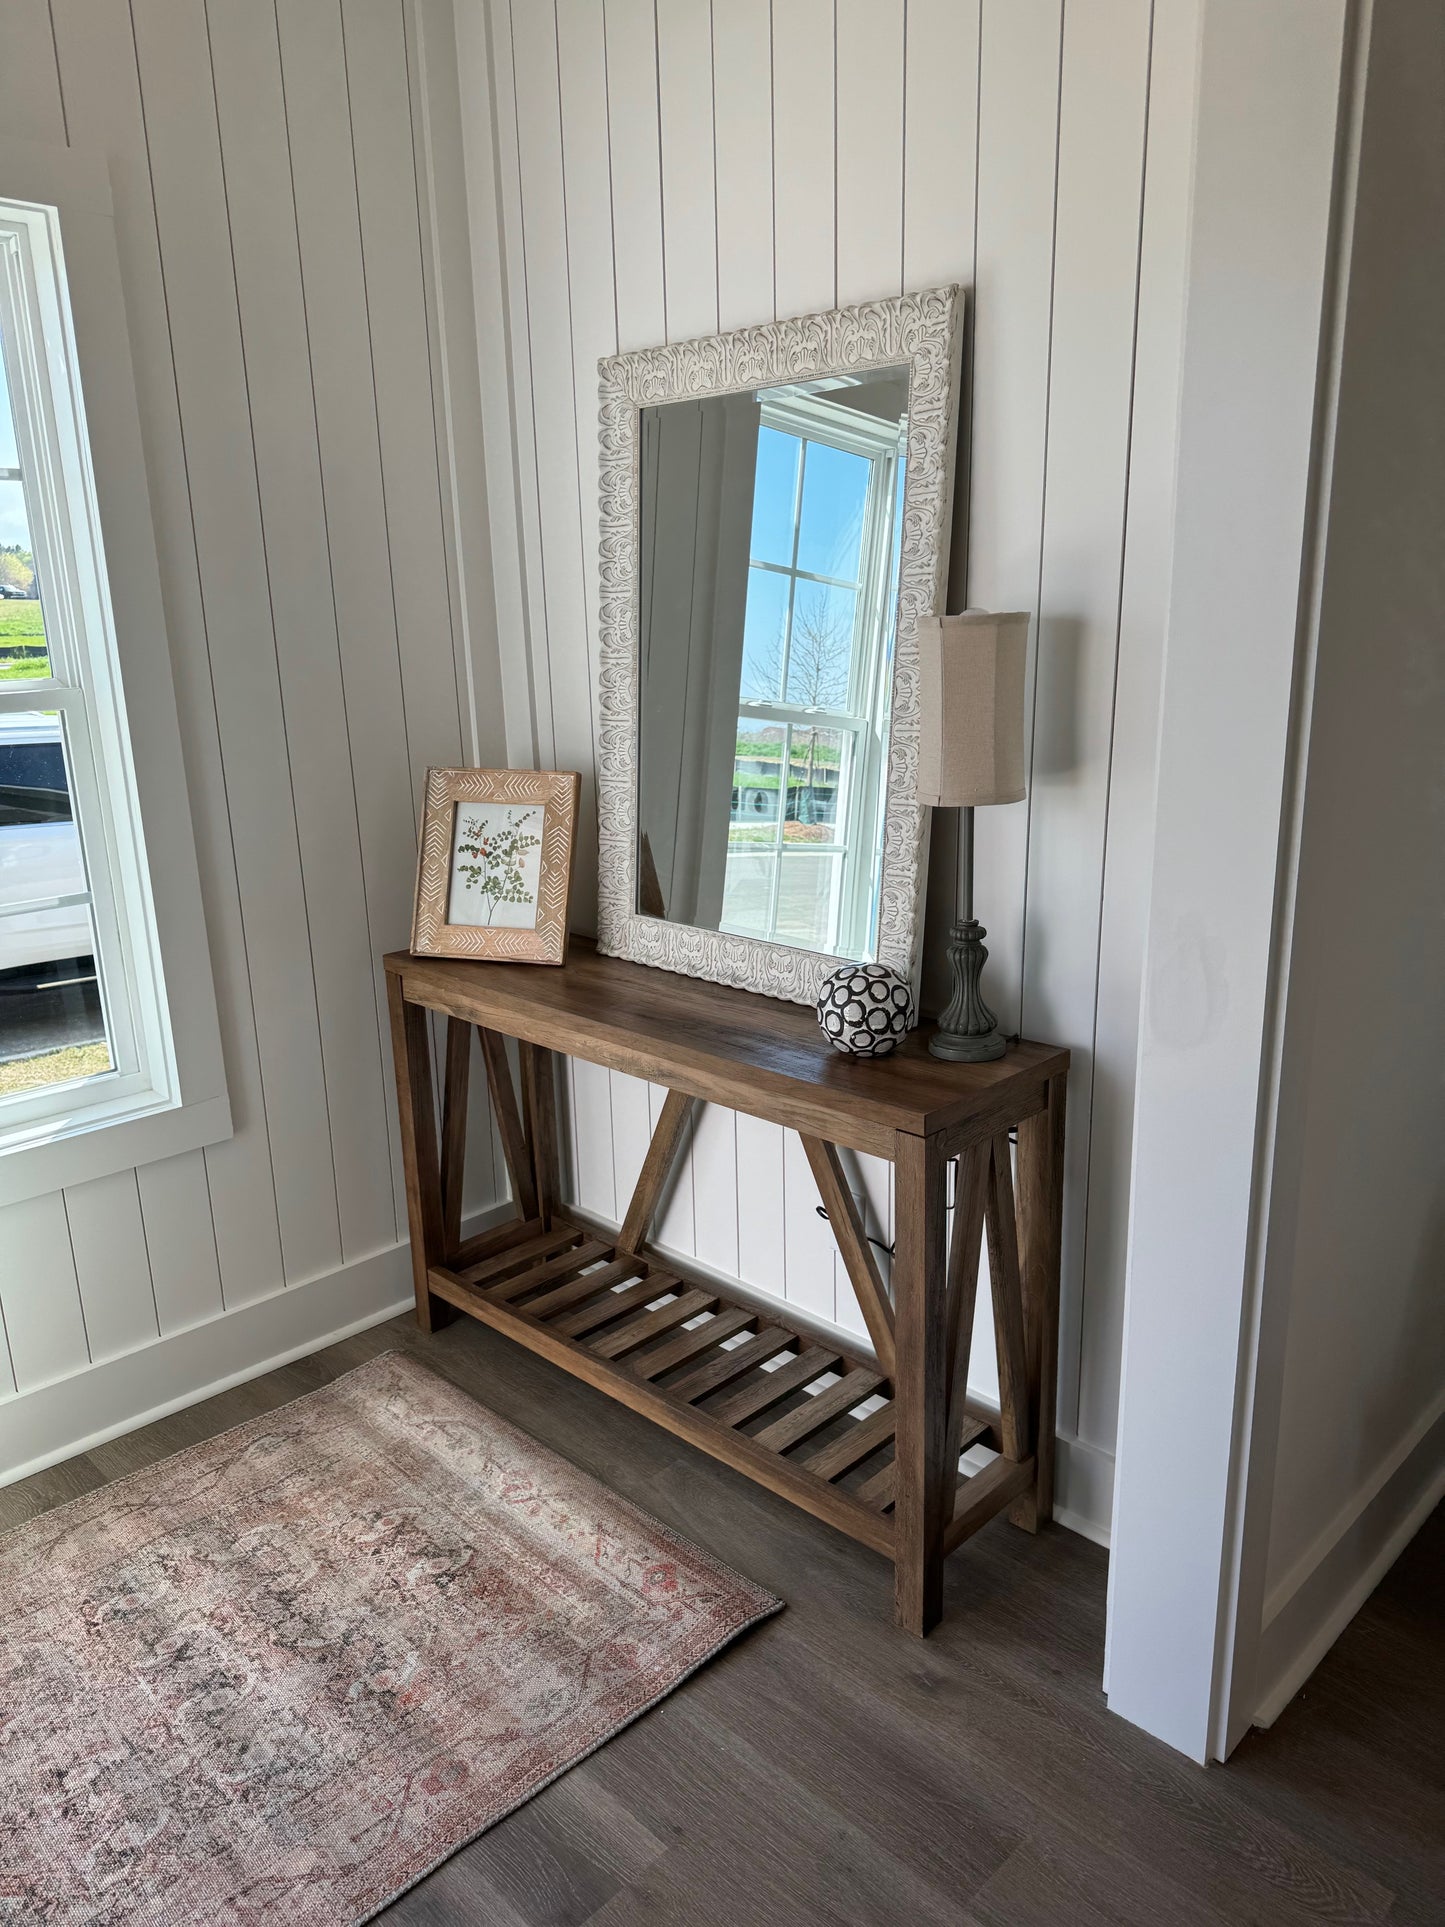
(865, 1009)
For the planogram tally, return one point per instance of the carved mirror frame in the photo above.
(920, 331)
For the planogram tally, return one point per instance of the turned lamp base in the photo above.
(967, 1033)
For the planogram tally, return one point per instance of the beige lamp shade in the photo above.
(971, 708)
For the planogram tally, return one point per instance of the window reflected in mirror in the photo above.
(771, 528)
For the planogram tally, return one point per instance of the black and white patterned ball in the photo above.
(865, 1009)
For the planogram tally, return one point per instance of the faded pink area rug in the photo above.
(282, 1675)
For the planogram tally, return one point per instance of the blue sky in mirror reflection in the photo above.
(820, 535)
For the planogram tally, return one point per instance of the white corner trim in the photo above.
(1318, 1597)
(39, 1428)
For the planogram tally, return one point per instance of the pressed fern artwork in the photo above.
(495, 868)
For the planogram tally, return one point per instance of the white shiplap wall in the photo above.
(646, 170)
(274, 206)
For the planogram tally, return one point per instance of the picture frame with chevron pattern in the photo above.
(494, 871)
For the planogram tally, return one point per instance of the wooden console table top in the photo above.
(753, 1054)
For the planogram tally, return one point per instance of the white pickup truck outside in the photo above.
(39, 861)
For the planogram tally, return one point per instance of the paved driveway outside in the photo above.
(49, 1007)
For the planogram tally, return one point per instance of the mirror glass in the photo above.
(771, 525)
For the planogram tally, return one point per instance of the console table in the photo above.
(644, 1328)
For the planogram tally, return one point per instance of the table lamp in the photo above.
(970, 751)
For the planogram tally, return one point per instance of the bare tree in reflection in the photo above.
(817, 668)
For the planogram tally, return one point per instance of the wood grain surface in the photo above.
(753, 1054)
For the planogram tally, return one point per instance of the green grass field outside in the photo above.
(21, 622)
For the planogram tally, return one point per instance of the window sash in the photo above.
(801, 416)
(83, 684)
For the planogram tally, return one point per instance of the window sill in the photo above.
(100, 1140)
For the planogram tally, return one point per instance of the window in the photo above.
(813, 723)
(88, 1034)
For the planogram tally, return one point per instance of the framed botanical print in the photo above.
(495, 869)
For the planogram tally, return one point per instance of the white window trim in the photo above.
(105, 616)
(807, 415)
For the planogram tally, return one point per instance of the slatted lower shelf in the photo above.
(726, 1376)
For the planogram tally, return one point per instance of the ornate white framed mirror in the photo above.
(775, 509)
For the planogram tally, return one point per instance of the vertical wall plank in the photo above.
(1142, 622)
(201, 303)
(180, 1236)
(636, 173)
(870, 149)
(450, 311)
(592, 1139)
(381, 137)
(563, 616)
(713, 1176)
(30, 91)
(587, 191)
(742, 78)
(450, 308)
(804, 181)
(810, 1245)
(256, 165)
(1101, 160)
(715, 1187)
(112, 1265)
(39, 1293)
(517, 375)
(631, 1105)
(762, 1257)
(684, 79)
(940, 142)
(328, 228)
(592, 326)
(479, 86)
(1017, 150)
(99, 62)
(940, 179)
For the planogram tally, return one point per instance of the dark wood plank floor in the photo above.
(828, 1769)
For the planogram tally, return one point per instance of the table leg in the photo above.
(515, 1148)
(455, 1090)
(1041, 1213)
(921, 1384)
(539, 1115)
(411, 1052)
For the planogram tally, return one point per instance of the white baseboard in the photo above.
(1084, 1488)
(39, 1428)
(1317, 1598)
